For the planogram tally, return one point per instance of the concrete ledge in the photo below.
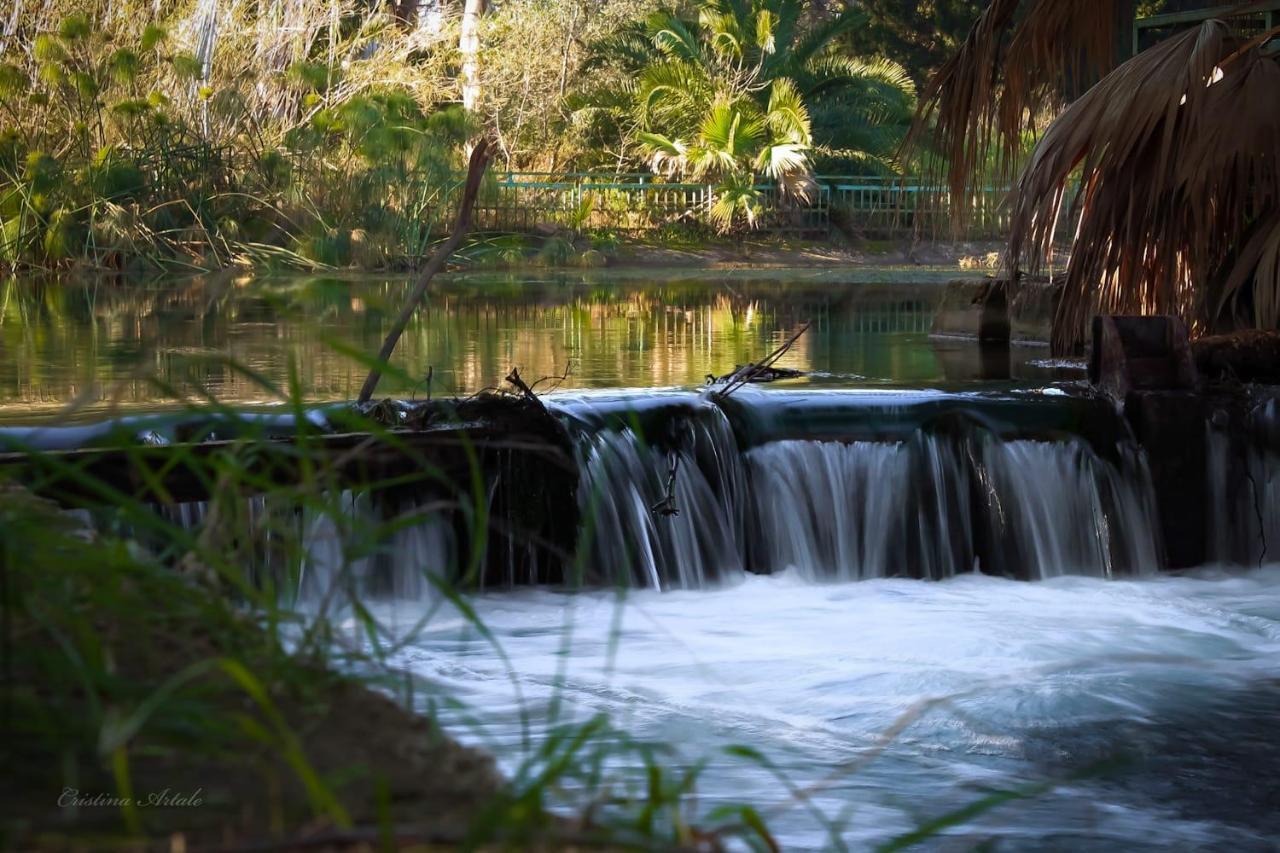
(1032, 306)
(973, 308)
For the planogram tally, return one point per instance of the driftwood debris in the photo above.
(480, 157)
(760, 371)
(667, 506)
(768, 374)
(515, 379)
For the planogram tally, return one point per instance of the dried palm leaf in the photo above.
(1021, 58)
(1177, 154)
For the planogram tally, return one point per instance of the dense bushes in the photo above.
(122, 152)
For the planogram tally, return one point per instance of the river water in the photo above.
(140, 346)
(1123, 709)
(1134, 714)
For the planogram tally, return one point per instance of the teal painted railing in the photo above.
(634, 202)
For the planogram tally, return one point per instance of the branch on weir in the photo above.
(667, 506)
(758, 371)
(480, 157)
(515, 379)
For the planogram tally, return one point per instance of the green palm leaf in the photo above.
(787, 117)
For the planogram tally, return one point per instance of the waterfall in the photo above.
(676, 490)
(936, 505)
(351, 547)
(342, 565)
(828, 509)
(1058, 508)
(623, 478)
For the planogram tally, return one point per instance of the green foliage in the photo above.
(555, 252)
(152, 37)
(75, 27)
(187, 66)
(312, 76)
(922, 36)
(124, 65)
(13, 80)
(740, 92)
(113, 177)
(189, 174)
(61, 236)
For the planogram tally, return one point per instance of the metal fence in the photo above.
(1247, 22)
(524, 201)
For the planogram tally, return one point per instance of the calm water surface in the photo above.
(236, 338)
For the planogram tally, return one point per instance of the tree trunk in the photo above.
(469, 47)
(480, 156)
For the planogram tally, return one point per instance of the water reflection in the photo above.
(233, 338)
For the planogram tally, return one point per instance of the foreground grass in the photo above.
(159, 682)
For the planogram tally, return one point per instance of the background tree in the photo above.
(732, 91)
(920, 34)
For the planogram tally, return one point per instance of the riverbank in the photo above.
(565, 252)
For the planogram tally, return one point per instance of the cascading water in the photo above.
(628, 536)
(928, 508)
(352, 547)
(829, 509)
(680, 490)
(340, 566)
(1058, 508)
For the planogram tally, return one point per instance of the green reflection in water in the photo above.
(103, 341)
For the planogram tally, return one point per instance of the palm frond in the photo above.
(731, 130)
(786, 115)
(668, 156)
(1021, 57)
(1178, 157)
(735, 197)
(766, 25)
(672, 94)
(884, 77)
(673, 37)
(782, 159)
(813, 43)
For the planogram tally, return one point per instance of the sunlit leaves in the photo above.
(737, 197)
(75, 27)
(152, 37)
(124, 65)
(731, 92)
(13, 80)
(187, 66)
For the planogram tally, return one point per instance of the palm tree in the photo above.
(1176, 152)
(744, 89)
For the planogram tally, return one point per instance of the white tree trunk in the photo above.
(469, 47)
